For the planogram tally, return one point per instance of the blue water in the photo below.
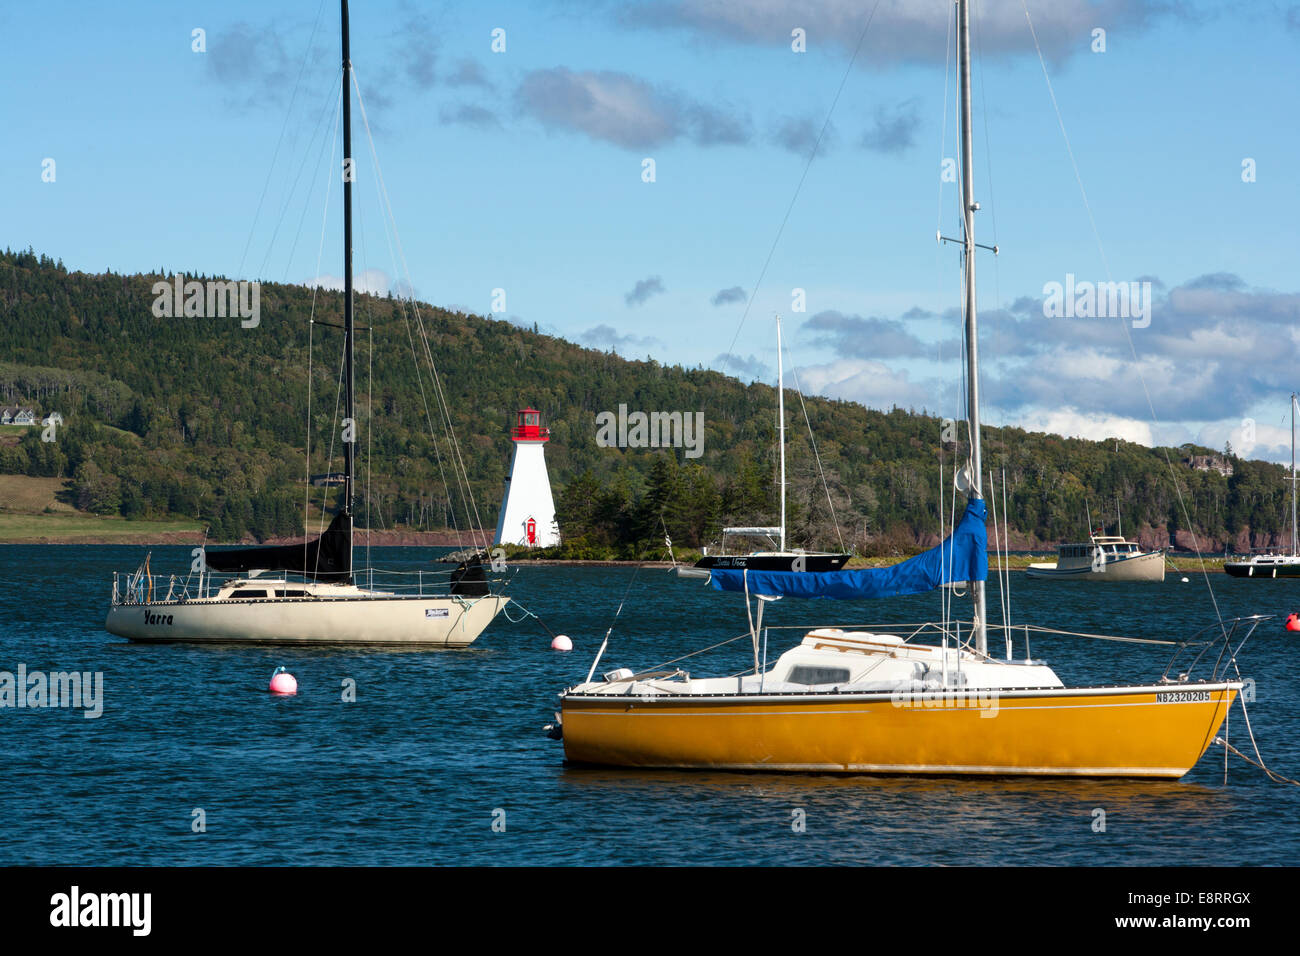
(414, 771)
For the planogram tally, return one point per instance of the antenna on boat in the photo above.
(780, 422)
(969, 206)
(1294, 550)
(349, 411)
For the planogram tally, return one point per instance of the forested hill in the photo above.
(204, 418)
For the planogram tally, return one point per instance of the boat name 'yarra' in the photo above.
(213, 299)
(1102, 300)
(151, 618)
(73, 689)
(653, 430)
(74, 908)
(981, 699)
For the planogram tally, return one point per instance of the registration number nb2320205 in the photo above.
(1183, 697)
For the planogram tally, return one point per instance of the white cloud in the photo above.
(1270, 442)
(900, 29)
(624, 110)
(608, 338)
(371, 281)
(873, 384)
(1095, 426)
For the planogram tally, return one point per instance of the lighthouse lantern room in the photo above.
(527, 508)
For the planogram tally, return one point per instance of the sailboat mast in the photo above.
(1294, 550)
(349, 413)
(780, 422)
(972, 336)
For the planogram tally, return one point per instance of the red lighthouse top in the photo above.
(528, 426)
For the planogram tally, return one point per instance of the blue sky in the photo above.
(522, 170)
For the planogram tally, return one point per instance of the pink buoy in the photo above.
(1293, 622)
(561, 643)
(282, 682)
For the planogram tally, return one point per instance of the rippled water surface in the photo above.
(439, 742)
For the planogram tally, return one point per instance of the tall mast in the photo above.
(349, 413)
(972, 336)
(780, 425)
(1293, 477)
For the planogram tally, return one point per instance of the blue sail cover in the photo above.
(963, 556)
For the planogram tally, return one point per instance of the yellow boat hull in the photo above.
(1153, 731)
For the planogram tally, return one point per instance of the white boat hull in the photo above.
(1143, 567)
(393, 620)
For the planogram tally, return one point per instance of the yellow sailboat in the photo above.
(926, 699)
(869, 702)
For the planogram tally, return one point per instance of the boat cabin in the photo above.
(1109, 545)
(279, 589)
(831, 660)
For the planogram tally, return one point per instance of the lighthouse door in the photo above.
(531, 530)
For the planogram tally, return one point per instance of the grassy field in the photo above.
(30, 512)
(80, 528)
(1185, 564)
(24, 495)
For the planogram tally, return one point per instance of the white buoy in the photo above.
(284, 683)
(561, 643)
(1184, 580)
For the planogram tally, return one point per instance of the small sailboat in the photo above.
(915, 699)
(780, 558)
(1272, 564)
(315, 598)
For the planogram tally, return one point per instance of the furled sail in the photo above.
(963, 556)
(327, 558)
(469, 579)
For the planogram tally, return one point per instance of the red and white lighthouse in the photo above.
(527, 508)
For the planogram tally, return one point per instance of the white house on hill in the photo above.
(17, 415)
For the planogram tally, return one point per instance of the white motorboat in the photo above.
(1106, 558)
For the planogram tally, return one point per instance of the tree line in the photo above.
(204, 419)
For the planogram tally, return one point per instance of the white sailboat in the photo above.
(321, 603)
(1272, 564)
(904, 699)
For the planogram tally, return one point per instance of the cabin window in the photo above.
(249, 593)
(288, 593)
(802, 674)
